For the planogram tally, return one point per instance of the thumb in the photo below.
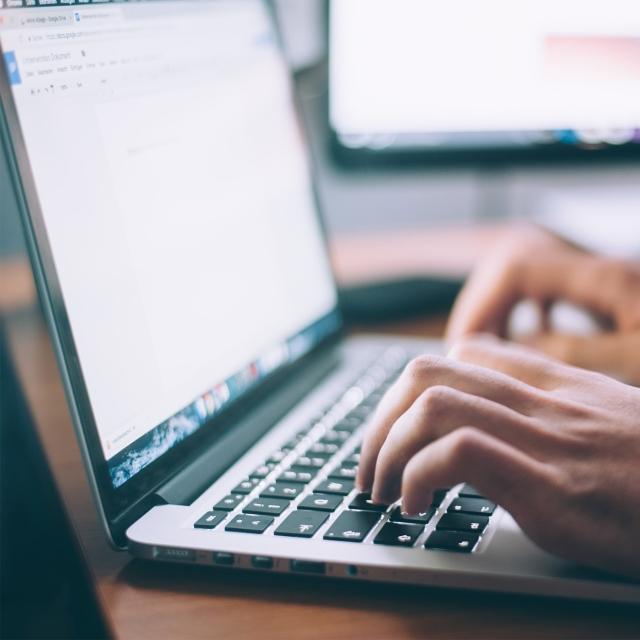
(612, 353)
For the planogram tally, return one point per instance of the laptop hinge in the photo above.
(190, 482)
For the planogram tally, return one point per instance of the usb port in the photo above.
(262, 562)
(224, 559)
(307, 566)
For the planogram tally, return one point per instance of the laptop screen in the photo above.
(173, 184)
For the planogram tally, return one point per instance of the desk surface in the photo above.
(167, 601)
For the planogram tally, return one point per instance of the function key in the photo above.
(210, 520)
(302, 524)
(321, 502)
(363, 502)
(249, 524)
(300, 476)
(468, 491)
(452, 541)
(267, 506)
(352, 526)
(246, 486)
(398, 535)
(478, 506)
(287, 490)
(463, 522)
(423, 517)
(229, 503)
(339, 487)
(263, 471)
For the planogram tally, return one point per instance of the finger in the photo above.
(437, 412)
(428, 371)
(611, 353)
(517, 361)
(499, 471)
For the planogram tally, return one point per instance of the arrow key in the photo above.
(399, 535)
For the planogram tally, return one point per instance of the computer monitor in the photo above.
(515, 78)
(167, 187)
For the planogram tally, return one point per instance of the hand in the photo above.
(558, 447)
(531, 263)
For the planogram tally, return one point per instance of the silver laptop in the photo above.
(166, 195)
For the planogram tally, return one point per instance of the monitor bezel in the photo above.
(121, 506)
(400, 152)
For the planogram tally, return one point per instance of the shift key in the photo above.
(352, 526)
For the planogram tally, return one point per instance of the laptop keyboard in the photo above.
(309, 482)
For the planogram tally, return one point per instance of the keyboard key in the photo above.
(302, 524)
(399, 535)
(463, 522)
(249, 524)
(452, 541)
(246, 486)
(321, 502)
(399, 515)
(322, 449)
(277, 456)
(210, 520)
(349, 424)
(262, 471)
(347, 473)
(339, 487)
(267, 506)
(478, 506)
(286, 490)
(314, 462)
(301, 477)
(352, 526)
(438, 496)
(468, 491)
(363, 502)
(353, 459)
(229, 503)
(335, 437)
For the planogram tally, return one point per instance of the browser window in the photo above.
(176, 196)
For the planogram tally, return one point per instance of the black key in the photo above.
(262, 471)
(399, 535)
(266, 506)
(335, 437)
(315, 462)
(249, 524)
(399, 515)
(321, 502)
(452, 541)
(352, 526)
(286, 490)
(349, 424)
(478, 506)
(346, 473)
(291, 475)
(210, 520)
(468, 491)
(302, 524)
(339, 487)
(360, 413)
(463, 522)
(322, 449)
(354, 459)
(438, 496)
(363, 502)
(229, 503)
(246, 486)
(277, 456)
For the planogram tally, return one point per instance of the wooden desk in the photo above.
(146, 600)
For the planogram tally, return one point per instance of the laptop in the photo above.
(166, 193)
